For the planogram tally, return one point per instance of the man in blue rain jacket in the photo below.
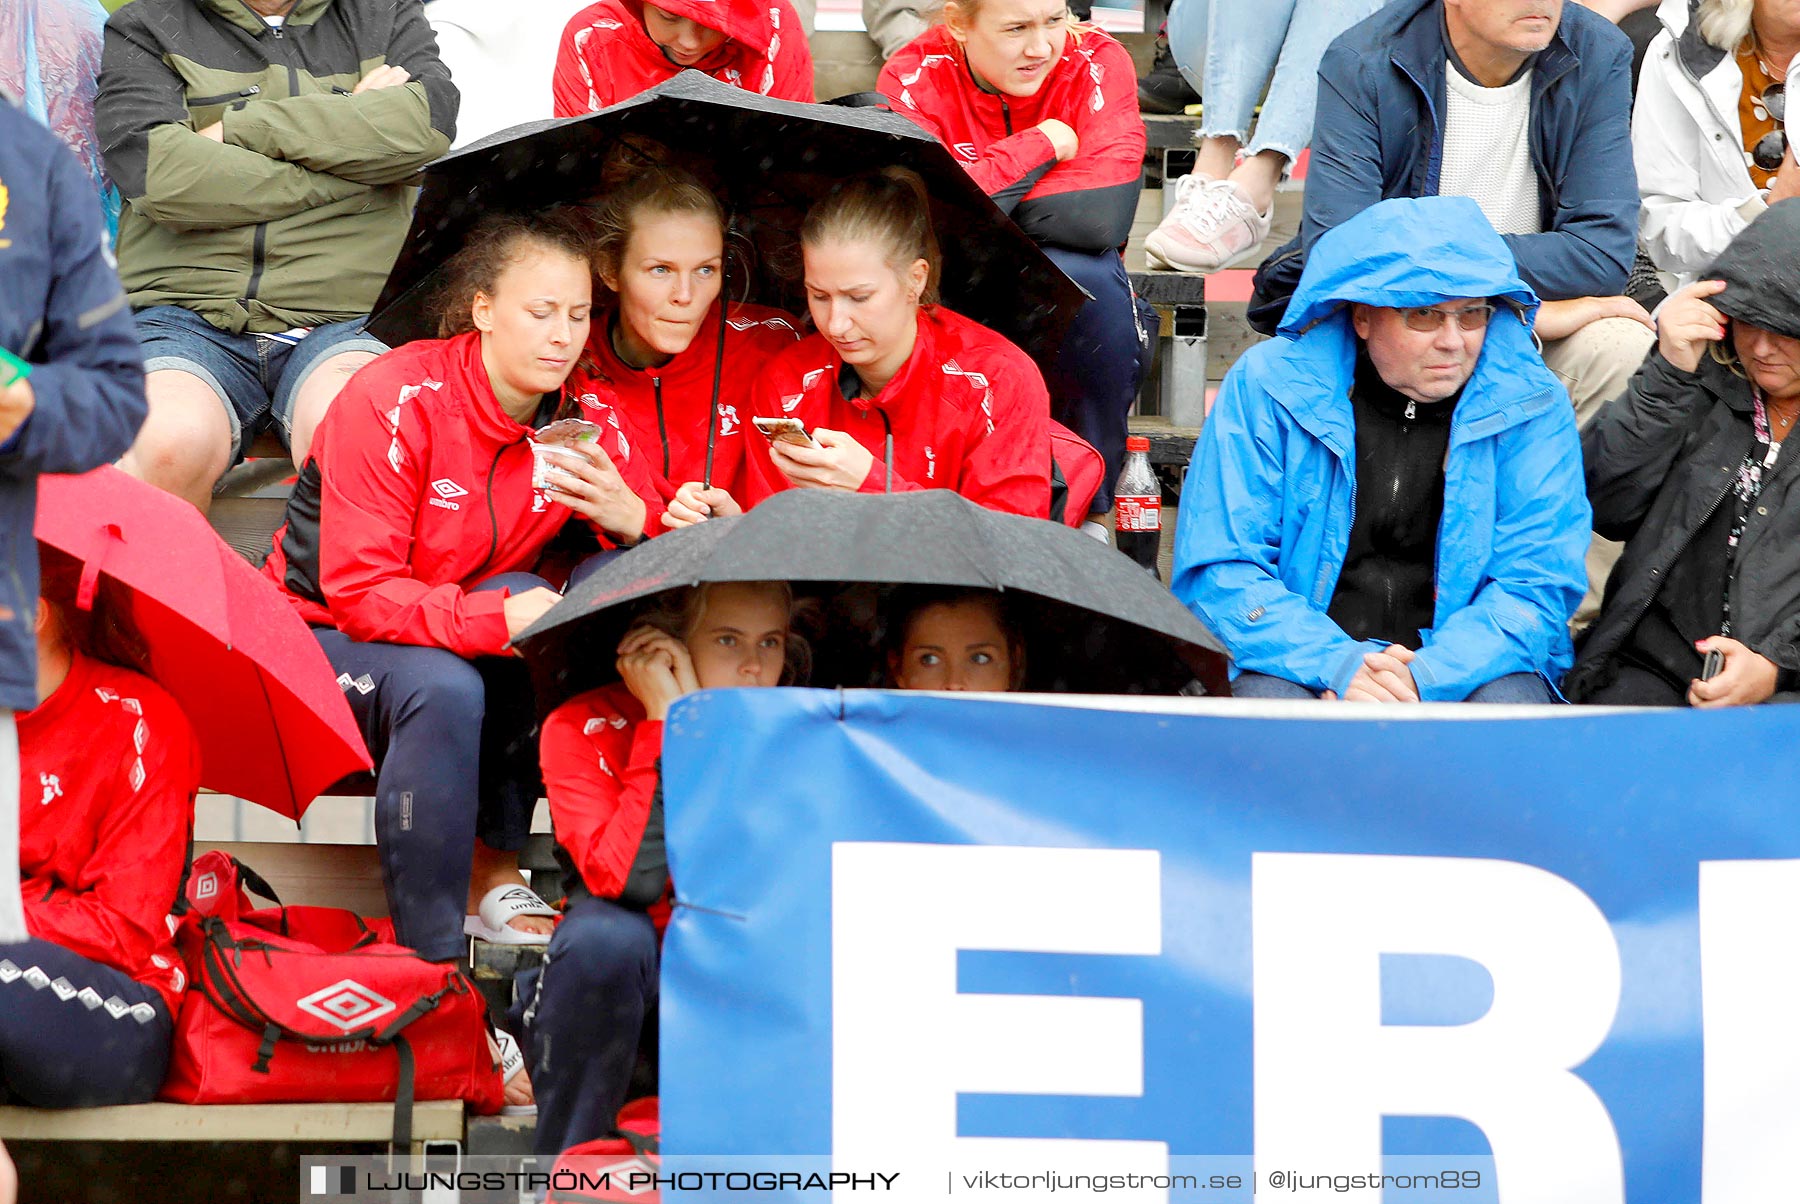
(1386, 503)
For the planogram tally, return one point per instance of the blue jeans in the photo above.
(1236, 46)
(257, 376)
(1514, 688)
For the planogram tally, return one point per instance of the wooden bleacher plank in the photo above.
(436, 1120)
(320, 875)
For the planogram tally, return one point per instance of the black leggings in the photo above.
(75, 1033)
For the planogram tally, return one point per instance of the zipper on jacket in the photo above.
(223, 97)
(258, 250)
(1006, 115)
(493, 519)
(662, 427)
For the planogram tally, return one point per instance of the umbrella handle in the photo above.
(89, 585)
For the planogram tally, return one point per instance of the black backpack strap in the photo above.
(255, 882)
(403, 1101)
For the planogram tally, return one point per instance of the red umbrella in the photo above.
(272, 723)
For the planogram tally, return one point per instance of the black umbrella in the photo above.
(1094, 621)
(768, 159)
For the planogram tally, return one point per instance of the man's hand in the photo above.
(695, 504)
(1560, 319)
(16, 403)
(9, 1179)
(1785, 186)
(1384, 677)
(215, 131)
(1746, 679)
(838, 462)
(1688, 322)
(388, 76)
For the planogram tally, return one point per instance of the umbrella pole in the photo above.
(712, 425)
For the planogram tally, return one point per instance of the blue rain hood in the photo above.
(1407, 252)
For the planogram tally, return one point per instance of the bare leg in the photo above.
(315, 395)
(1217, 155)
(185, 444)
(1258, 175)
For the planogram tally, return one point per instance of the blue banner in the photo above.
(1554, 948)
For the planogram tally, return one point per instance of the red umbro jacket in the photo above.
(599, 756)
(605, 55)
(108, 769)
(969, 412)
(1086, 204)
(667, 409)
(418, 489)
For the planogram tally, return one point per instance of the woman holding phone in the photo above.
(898, 392)
(409, 546)
(602, 771)
(660, 252)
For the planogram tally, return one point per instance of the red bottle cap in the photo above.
(1137, 443)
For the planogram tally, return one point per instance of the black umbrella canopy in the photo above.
(768, 159)
(1094, 621)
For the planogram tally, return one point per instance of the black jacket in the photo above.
(1660, 459)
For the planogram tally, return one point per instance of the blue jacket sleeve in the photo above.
(1228, 553)
(1592, 239)
(1345, 175)
(87, 374)
(1518, 620)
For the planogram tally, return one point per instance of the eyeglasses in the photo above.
(1427, 319)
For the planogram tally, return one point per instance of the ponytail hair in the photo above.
(888, 209)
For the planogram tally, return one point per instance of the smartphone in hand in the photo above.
(784, 430)
(1709, 669)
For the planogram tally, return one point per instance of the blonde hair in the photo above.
(1725, 23)
(889, 209)
(680, 612)
(651, 192)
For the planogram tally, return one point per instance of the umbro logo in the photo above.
(346, 1004)
(362, 685)
(446, 490)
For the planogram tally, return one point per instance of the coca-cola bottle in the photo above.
(1137, 505)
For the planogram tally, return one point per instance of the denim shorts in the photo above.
(257, 375)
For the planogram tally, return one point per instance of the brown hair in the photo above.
(494, 245)
(889, 209)
(104, 631)
(680, 612)
(905, 606)
(654, 191)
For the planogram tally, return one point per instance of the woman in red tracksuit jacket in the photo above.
(615, 49)
(659, 250)
(1045, 118)
(897, 392)
(602, 766)
(407, 546)
(108, 773)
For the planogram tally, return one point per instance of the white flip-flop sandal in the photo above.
(512, 1065)
(500, 905)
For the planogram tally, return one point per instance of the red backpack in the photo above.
(632, 1151)
(314, 1004)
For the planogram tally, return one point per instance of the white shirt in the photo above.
(1487, 151)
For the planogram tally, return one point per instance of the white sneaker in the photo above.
(1213, 226)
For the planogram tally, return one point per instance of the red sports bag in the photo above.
(631, 1152)
(312, 1004)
